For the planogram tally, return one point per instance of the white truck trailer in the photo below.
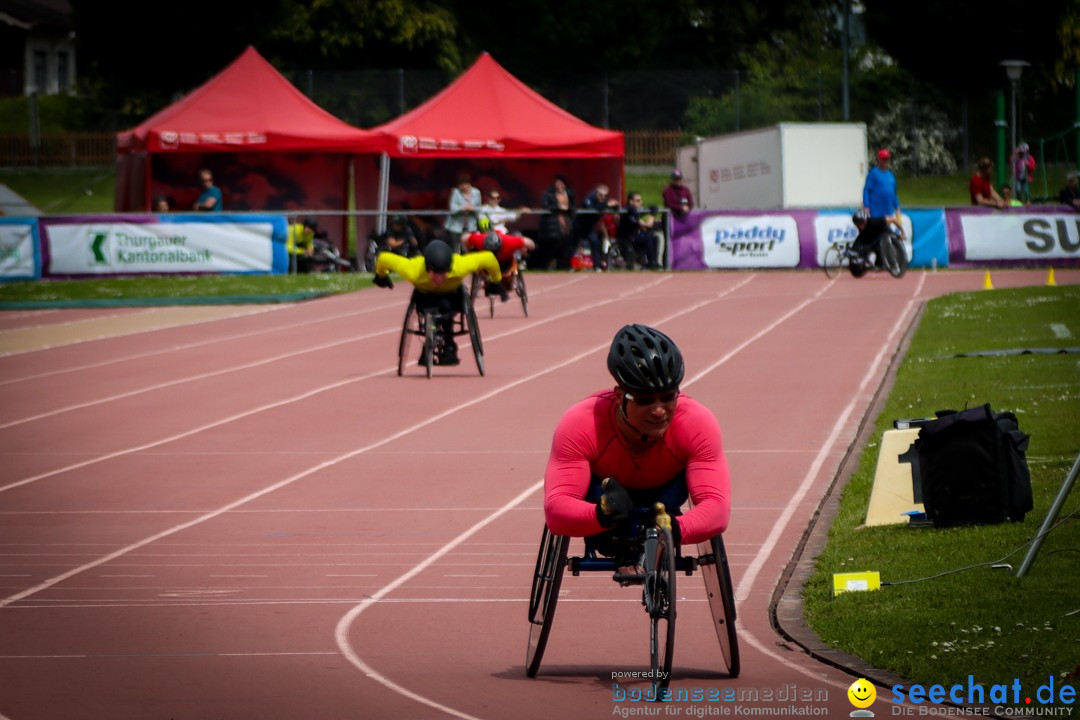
(791, 165)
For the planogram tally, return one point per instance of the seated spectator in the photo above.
(637, 234)
(982, 191)
(162, 204)
(590, 222)
(497, 215)
(300, 244)
(1070, 194)
(1008, 199)
(399, 238)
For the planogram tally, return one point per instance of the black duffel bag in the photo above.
(973, 468)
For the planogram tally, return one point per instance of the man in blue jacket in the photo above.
(879, 192)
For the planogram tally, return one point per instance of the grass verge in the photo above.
(184, 289)
(982, 621)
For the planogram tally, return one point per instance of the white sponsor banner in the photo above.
(839, 228)
(1020, 236)
(17, 250)
(730, 241)
(106, 248)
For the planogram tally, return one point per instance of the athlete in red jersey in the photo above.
(642, 442)
(506, 248)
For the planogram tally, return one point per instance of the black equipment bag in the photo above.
(973, 467)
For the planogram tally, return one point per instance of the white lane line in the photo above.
(200, 376)
(279, 328)
(303, 396)
(749, 577)
(315, 468)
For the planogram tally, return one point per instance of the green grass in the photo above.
(70, 190)
(982, 622)
(186, 287)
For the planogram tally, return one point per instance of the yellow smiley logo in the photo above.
(861, 693)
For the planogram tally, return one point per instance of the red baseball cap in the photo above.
(883, 154)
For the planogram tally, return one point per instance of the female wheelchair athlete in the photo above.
(426, 319)
(660, 560)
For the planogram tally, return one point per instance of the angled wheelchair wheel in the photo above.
(519, 288)
(428, 355)
(491, 306)
(616, 260)
(660, 602)
(834, 261)
(406, 333)
(896, 259)
(474, 288)
(721, 596)
(474, 336)
(547, 579)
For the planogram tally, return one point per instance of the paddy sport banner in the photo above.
(84, 246)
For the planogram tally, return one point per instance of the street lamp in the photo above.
(1013, 69)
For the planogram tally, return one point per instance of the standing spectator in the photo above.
(556, 226)
(879, 190)
(210, 197)
(677, 197)
(637, 234)
(1070, 194)
(1023, 169)
(982, 190)
(464, 202)
(589, 222)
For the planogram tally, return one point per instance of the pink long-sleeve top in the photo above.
(587, 442)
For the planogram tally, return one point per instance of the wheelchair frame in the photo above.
(520, 290)
(426, 325)
(661, 567)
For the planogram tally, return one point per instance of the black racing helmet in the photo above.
(860, 217)
(492, 242)
(645, 360)
(438, 257)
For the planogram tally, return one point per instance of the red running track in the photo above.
(254, 517)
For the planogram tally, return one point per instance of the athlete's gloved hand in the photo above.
(383, 281)
(615, 504)
(491, 287)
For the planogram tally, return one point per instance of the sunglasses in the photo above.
(650, 400)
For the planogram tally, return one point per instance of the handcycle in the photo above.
(660, 560)
(427, 323)
(890, 246)
(517, 279)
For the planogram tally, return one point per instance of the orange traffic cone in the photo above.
(1050, 278)
(987, 284)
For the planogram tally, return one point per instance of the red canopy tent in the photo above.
(268, 145)
(491, 125)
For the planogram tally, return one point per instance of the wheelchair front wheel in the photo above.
(547, 579)
(834, 261)
(721, 596)
(660, 602)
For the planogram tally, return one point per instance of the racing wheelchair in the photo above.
(517, 279)
(428, 323)
(890, 247)
(660, 560)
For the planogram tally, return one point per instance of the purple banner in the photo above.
(744, 239)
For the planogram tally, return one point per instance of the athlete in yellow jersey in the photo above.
(437, 276)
